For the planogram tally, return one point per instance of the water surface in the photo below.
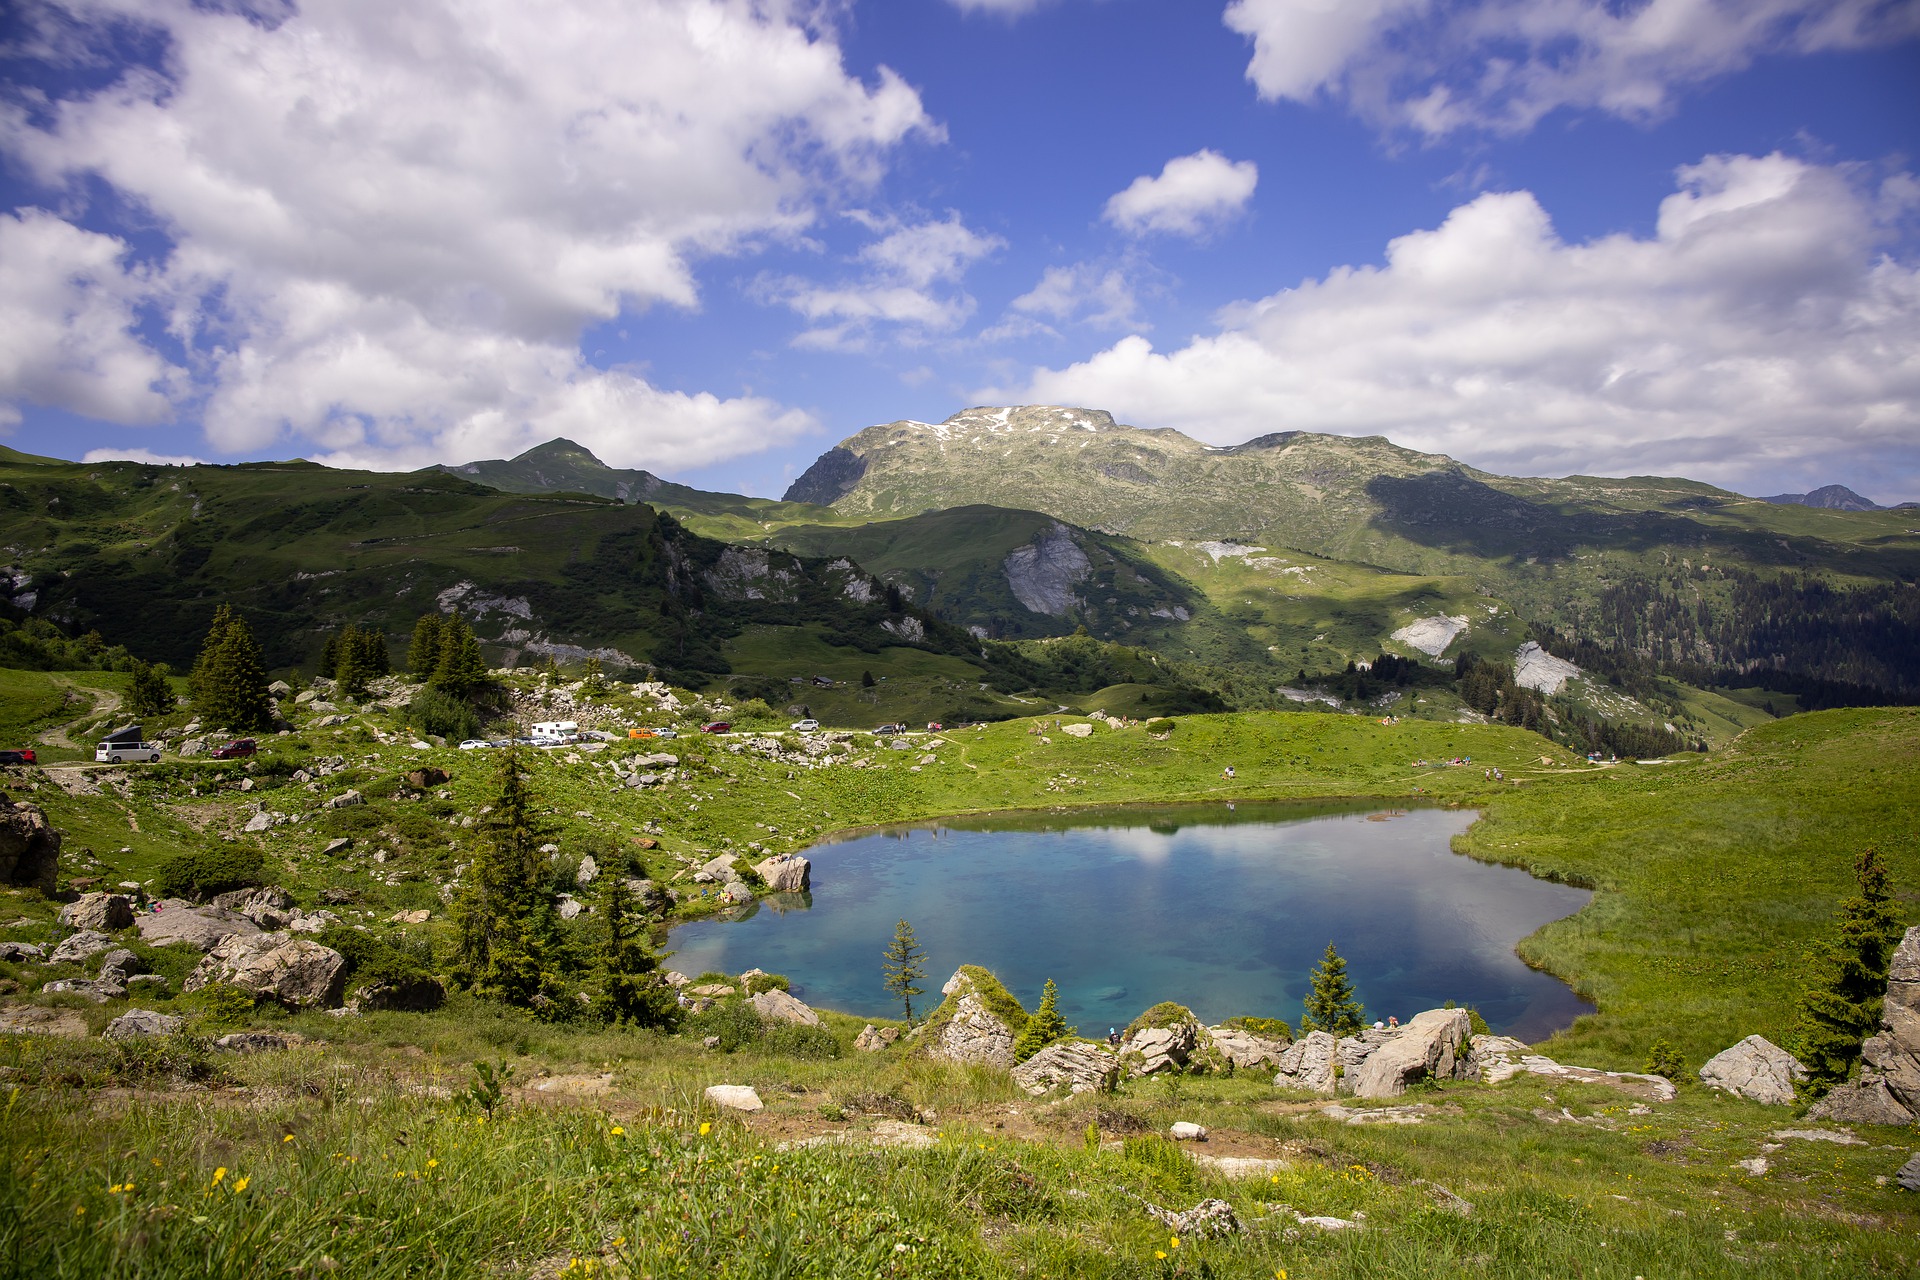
(1223, 910)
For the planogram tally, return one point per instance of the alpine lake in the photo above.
(1224, 909)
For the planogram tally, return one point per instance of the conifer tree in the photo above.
(1044, 1027)
(228, 684)
(503, 912)
(595, 676)
(1841, 1005)
(423, 651)
(460, 670)
(904, 964)
(352, 667)
(631, 991)
(1330, 1004)
(148, 692)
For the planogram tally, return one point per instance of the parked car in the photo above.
(23, 755)
(884, 729)
(475, 744)
(642, 733)
(805, 726)
(665, 733)
(718, 726)
(238, 749)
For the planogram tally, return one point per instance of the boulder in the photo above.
(965, 1028)
(87, 942)
(1500, 1058)
(103, 911)
(1077, 730)
(294, 971)
(1309, 1063)
(1187, 1131)
(720, 869)
(422, 778)
(203, 928)
(1426, 1048)
(280, 689)
(339, 844)
(18, 951)
(269, 908)
(777, 1006)
(29, 847)
(736, 1097)
(1245, 1050)
(587, 872)
(407, 995)
(569, 907)
(1158, 1049)
(120, 964)
(736, 891)
(1888, 1090)
(873, 1039)
(1909, 1175)
(1077, 1067)
(786, 873)
(346, 800)
(193, 747)
(99, 990)
(136, 1024)
(1757, 1070)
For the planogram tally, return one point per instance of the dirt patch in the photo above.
(32, 1019)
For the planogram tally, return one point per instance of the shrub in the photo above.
(201, 873)
(796, 1040)
(1271, 1028)
(1476, 1025)
(371, 958)
(1163, 1158)
(225, 1005)
(1665, 1060)
(436, 711)
(767, 982)
(733, 1021)
(1160, 725)
(183, 1058)
(1164, 1014)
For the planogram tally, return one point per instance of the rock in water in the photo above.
(786, 873)
(136, 1024)
(1079, 1068)
(1888, 1090)
(1755, 1069)
(736, 1097)
(777, 1006)
(29, 847)
(103, 911)
(1426, 1048)
(294, 971)
(1308, 1063)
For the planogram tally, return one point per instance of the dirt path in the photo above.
(99, 700)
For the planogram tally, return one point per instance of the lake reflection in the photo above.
(1222, 910)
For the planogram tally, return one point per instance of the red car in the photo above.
(236, 749)
(718, 726)
(23, 756)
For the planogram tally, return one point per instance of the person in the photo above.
(1379, 1026)
(1227, 772)
(1113, 1037)
(1393, 1022)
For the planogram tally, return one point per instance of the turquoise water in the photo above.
(1222, 910)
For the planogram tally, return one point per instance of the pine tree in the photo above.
(460, 670)
(1841, 1006)
(1330, 1005)
(228, 684)
(904, 964)
(1044, 1027)
(148, 691)
(595, 676)
(373, 651)
(423, 651)
(502, 917)
(351, 669)
(631, 991)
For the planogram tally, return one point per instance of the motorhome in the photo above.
(555, 733)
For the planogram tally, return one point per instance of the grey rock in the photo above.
(1864, 1101)
(193, 747)
(1888, 1090)
(1078, 1068)
(137, 1024)
(1309, 1063)
(120, 964)
(737, 891)
(18, 951)
(735, 1097)
(1497, 1063)
(1043, 573)
(280, 689)
(339, 844)
(1245, 1050)
(786, 873)
(29, 847)
(87, 942)
(779, 1006)
(1755, 1069)
(98, 990)
(294, 971)
(103, 911)
(200, 927)
(269, 908)
(1161, 1049)
(1208, 1218)
(973, 1033)
(588, 872)
(346, 800)
(407, 995)
(1909, 1175)
(873, 1039)
(1426, 1048)
(1187, 1131)
(262, 821)
(570, 906)
(720, 868)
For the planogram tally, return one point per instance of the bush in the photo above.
(767, 982)
(1271, 1028)
(1161, 725)
(1665, 1060)
(795, 1040)
(1164, 1158)
(183, 1058)
(373, 959)
(224, 1005)
(1162, 1015)
(435, 711)
(202, 873)
(734, 1021)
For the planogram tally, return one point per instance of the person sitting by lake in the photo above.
(1227, 772)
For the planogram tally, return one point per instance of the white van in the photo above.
(555, 733)
(120, 752)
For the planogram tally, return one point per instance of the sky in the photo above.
(712, 238)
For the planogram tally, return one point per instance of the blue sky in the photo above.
(713, 237)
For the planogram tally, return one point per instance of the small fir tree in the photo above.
(228, 684)
(503, 916)
(904, 965)
(1330, 1004)
(631, 991)
(423, 650)
(1044, 1027)
(148, 691)
(353, 664)
(460, 670)
(1841, 1005)
(866, 679)
(595, 677)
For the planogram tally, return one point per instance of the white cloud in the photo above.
(147, 456)
(392, 222)
(1503, 64)
(1191, 194)
(67, 308)
(911, 283)
(1011, 8)
(1100, 296)
(1761, 331)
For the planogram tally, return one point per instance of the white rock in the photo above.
(1187, 1131)
(736, 1097)
(1755, 1069)
(777, 1006)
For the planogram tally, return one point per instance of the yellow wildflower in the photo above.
(705, 1128)
(288, 1138)
(618, 1131)
(433, 1164)
(219, 1175)
(1173, 1242)
(1161, 1254)
(241, 1185)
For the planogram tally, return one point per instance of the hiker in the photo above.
(1393, 1022)
(1113, 1037)
(1227, 772)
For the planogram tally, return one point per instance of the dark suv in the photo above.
(23, 756)
(236, 749)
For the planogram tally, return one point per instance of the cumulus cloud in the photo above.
(147, 456)
(1010, 8)
(1192, 194)
(389, 224)
(1100, 296)
(1438, 67)
(1761, 331)
(910, 282)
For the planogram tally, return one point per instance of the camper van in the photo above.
(555, 733)
(123, 745)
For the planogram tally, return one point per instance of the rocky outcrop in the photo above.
(18, 951)
(1501, 1058)
(1043, 574)
(1311, 1062)
(268, 908)
(1073, 1066)
(1755, 1069)
(1427, 1048)
(1245, 1050)
(873, 1039)
(776, 1005)
(976, 1021)
(87, 942)
(1888, 1090)
(294, 971)
(786, 873)
(1161, 1049)
(137, 1024)
(106, 912)
(29, 847)
(203, 928)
